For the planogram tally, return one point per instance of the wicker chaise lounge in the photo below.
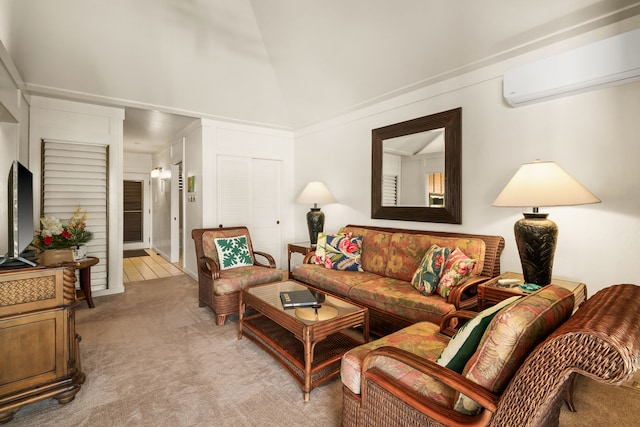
(601, 341)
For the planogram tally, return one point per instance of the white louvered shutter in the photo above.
(76, 175)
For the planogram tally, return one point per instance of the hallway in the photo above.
(147, 268)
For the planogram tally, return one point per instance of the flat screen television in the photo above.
(20, 210)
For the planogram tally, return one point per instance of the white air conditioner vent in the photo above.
(609, 62)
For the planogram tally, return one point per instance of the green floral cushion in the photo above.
(465, 342)
(427, 276)
(343, 253)
(208, 240)
(459, 267)
(233, 252)
(406, 251)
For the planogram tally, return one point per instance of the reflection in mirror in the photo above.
(413, 169)
(416, 169)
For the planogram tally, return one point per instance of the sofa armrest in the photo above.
(308, 258)
(485, 398)
(209, 267)
(465, 296)
(451, 322)
(269, 258)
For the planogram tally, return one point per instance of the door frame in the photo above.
(176, 214)
(146, 214)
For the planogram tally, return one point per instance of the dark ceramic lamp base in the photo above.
(315, 222)
(536, 237)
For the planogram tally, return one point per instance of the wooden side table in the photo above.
(489, 293)
(299, 248)
(84, 267)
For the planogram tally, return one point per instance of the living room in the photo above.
(321, 130)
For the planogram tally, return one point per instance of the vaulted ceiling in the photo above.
(280, 63)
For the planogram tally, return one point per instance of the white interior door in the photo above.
(249, 195)
(265, 231)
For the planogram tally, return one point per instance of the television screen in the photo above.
(20, 210)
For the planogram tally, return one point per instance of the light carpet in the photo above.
(154, 358)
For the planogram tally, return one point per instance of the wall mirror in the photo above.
(416, 169)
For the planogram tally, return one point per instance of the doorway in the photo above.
(136, 211)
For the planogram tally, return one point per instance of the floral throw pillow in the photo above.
(427, 276)
(233, 252)
(343, 252)
(459, 267)
(321, 243)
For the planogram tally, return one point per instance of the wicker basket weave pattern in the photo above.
(22, 291)
(601, 341)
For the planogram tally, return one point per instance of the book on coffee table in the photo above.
(303, 298)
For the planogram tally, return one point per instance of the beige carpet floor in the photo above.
(154, 358)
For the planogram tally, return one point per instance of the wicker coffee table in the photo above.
(311, 350)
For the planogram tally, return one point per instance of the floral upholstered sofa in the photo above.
(388, 260)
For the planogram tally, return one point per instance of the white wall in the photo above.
(137, 163)
(193, 166)
(594, 136)
(224, 138)
(14, 133)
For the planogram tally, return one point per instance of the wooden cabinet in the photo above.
(39, 352)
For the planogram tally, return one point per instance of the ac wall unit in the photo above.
(609, 62)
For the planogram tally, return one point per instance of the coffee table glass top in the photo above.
(270, 293)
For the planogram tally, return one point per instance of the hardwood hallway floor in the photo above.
(147, 267)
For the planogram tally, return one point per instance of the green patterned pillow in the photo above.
(343, 252)
(233, 252)
(427, 276)
(465, 342)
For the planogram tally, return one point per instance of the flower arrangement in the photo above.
(55, 235)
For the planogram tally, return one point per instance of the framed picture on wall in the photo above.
(191, 184)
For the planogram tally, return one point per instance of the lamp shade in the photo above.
(543, 184)
(540, 184)
(315, 192)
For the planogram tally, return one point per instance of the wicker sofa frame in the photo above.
(601, 341)
(462, 297)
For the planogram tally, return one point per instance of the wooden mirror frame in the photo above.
(451, 213)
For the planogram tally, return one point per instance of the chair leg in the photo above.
(220, 318)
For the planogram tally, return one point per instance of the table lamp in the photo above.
(315, 192)
(540, 184)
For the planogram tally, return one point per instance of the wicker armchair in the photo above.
(601, 340)
(220, 289)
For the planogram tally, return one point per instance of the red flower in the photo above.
(346, 245)
(48, 240)
(66, 234)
